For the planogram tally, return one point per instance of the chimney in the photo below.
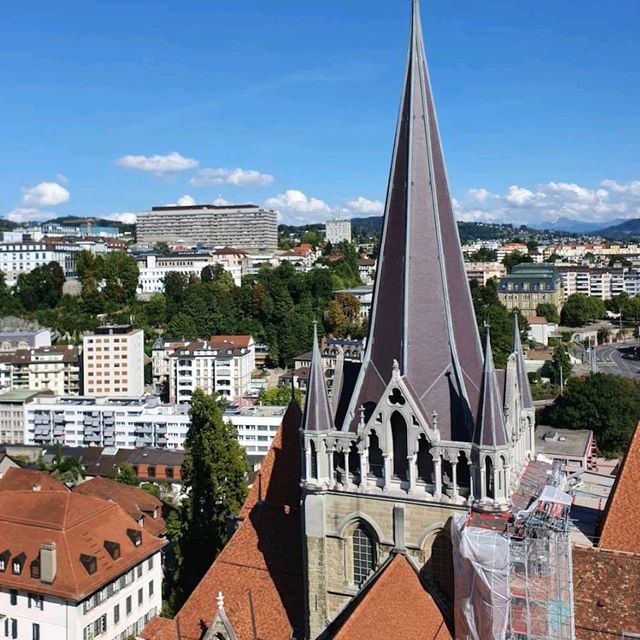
(48, 562)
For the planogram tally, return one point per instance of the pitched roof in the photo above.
(606, 593)
(138, 503)
(77, 525)
(523, 378)
(393, 605)
(259, 571)
(490, 427)
(16, 479)
(317, 410)
(422, 314)
(619, 529)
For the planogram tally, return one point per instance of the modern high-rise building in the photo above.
(337, 230)
(244, 226)
(113, 358)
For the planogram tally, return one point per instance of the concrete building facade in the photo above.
(337, 230)
(529, 285)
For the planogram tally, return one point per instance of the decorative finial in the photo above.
(396, 366)
(220, 600)
(362, 411)
(434, 419)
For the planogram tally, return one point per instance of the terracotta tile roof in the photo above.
(393, 605)
(606, 587)
(160, 629)
(77, 525)
(260, 571)
(138, 503)
(26, 479)
(619, 530)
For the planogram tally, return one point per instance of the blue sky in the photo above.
(294, 104)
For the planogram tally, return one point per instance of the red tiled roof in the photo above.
(259, 572)
(606, 587)
(394, 605)
(160, 629)
(137, 502)
(26, 479)
(619, 530)
(77, 525)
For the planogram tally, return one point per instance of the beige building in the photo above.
(12, 414)
(114, 362)
(245, 226)
(56, 369)
(529, 285)
(484, 271)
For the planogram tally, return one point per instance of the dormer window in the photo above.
(4, 559)
(17, 564)
(35, 568)
(90, 563)
(113, 549)
(135, 536)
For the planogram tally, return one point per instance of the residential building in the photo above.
(16, 333)
(364, 294)
(256, 425)
(55, 369)
(23, 257)
(75, 567)
(223, 364)
(302, 257)
(12, 405)
(510, 247)
(337, 230)
(113, 359)
(540, 329)
(153, 269)
(367, 270)
(484, 271)
(245, 226)
(80, 421)
(529, 285)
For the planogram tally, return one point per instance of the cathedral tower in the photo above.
(425, 427)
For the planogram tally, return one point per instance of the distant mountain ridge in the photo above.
(627, 230)
(576, 226)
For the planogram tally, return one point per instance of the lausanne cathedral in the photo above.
(348, 530)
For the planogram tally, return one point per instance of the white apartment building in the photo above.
(484, 271)
(337, 230)
(113, 359)
(223, 364)
(55, 369)
(23, 257)
(245, 226)
(599, 282)
(74, 567)
(80, 421)
(256, 426)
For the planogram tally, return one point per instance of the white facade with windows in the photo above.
(338, 230)
(121, 422)
(116, 611)
(256, 426)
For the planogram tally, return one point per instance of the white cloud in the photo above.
(296, 206)
(365, 206)
(185, 201)
(221, 202)
(234, 177)
(45, 194)
(27, 214)
(124, 217)
(170, 163)
(553, 200)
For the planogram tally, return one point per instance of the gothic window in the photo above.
(399, 435)
(364, 554)
(462, 471)
(447, 474)
(488, 467)
(376, 462)
(314, 460)
(425, 461)
(338, 467)
(354, 462)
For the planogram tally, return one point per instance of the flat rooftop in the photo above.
(562, 443)
(259, 411)
(20, 395)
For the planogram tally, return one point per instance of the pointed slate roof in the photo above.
(422, 315)
(490, 428)
(523, 378)
(317, 411)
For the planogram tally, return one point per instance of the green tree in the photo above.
(549, 311)
(126, 474)
(162, 248)
(579, 309)
(607, 404)
(514, 258)
(41, 288)
(215, 486)
(280, 396)
(66, 469)
(560, 362)
(482, 255)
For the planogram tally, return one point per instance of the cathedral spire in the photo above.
(523, 378)
(422, 314)
(317, 410)
(490, 430)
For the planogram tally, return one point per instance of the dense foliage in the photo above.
(280, 396)
(560, 367)
(214, 485)
(514, 258)
(607, 404)
(579, 309)
(549, 311)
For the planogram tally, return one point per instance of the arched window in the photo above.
(354, 462)
(488, 468)
(338, 467)
(314, 460)
(364, 554)
(425, 461)
(462, 472)
(399, 435)
(376, 463)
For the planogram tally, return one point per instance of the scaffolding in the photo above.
(513, 575)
